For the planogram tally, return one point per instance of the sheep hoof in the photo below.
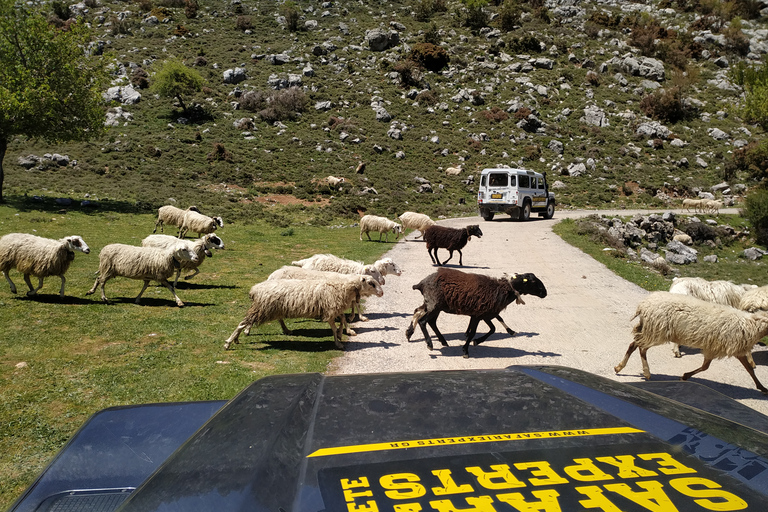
(363, 318)
(350, 332)
(617, 369)
(466, 356)
(511, 332)
(409, 333)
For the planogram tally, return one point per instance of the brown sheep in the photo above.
(452, 239)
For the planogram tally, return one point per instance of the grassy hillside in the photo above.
(163, 153)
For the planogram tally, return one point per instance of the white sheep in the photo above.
(717, 330)
(171, 216)
(298, 298)
(334, 182)
(333, 263)
(37, 256)
(692, 203)
(199, 223)
(755, 299)
(418, 221)
(719, 292)
(143, 263)
(453, 171)
(202, 247)
(712, 206)
(370, 223)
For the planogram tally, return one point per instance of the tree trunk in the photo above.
(3, 148)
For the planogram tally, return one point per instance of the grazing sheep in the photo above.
(381, 224)
(719, 292)
(199, 223)
(299, 298)
(333, 263)
(40, 257)
(201, 247)
(418, 221)
(291, 272)
(452, 239)
(334, 182)
(718, 330)
(171, 216)
(453, 171)
(478, 296)
(143, 263)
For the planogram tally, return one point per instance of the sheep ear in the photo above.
(525, 280)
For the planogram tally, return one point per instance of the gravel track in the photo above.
(584, 322)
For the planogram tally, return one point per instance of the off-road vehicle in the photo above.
(516, 192)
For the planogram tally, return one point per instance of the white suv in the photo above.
(516, 192)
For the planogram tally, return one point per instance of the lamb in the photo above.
(449, 238)
(719, 292)
(418, 221)
(332, 263)
(478, 296)
(144, 263)
(171, 216)
(718, 330)
(453, 171)
(199, 223)
(381, 224)
(300, 298)
(201, 247)
(291, 272)
(37, 256)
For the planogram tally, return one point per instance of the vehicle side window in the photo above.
(497, 180)
(524, 182)
(533, 182)
(513, 181)
(541, 184)
(482, 180)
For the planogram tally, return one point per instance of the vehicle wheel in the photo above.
(525, 213)
(550, 212)
(486, 214)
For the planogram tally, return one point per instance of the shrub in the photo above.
(427, 98)
(291, 14)
(429, 56)
(525, 44)
(508, 16)
(180, 30)
(253, 101)
(118, 26)
(173, 4)
(593, 78)
(495, 115)
(532, 152)
(200, 61)
(190, 8)
(145, 5)
(755, 210)
(219, 153)
(664, 105)
(522, 113)
(591, 30)
(432, 34)
(735, 40)
(140, 78)
(472, 15)
(409, 72)
(61, 10)
(605, 19)
(243, 23)
(753, 158)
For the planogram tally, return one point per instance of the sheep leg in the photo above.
(176, 281)
(336, 334)
(138, 297)
(750, 360)
(509, 331)
(344, 326)
(32, 290)
(623, 363)
(450, 255)
(749, 364)
(99, 280)
(245, 324)
(8, 278)
(491, 330)
(173, 292)
(285, 328)
(471, 330)
(190, 276)
(431, 319)
(646, 368)
(418, 313)
(461, 263)
(706, 364)
(676, 350)
(61, 291)
(430, 257)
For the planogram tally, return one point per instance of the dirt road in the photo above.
(584, 322)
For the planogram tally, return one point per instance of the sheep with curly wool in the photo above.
(475, 295)
(279, 299)
(453, 239)
(333, 263)
(199, 223)
(754, 299)
(717, 330)
(417, 221)
(142, 263)
(171, 216)
(719, 292)
(291, 272)
(37, 256)
(202, 247)
(382, 225)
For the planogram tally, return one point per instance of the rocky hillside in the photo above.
(618, 102)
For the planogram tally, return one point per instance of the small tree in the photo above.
(173, 79)
(754, 80)
(50, 88)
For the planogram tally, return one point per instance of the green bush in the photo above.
(508, 16)
(753, 158)
(664, 105)
(755, 210)
(525, 44)
(429, 56)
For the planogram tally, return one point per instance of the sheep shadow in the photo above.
(376, 316)
(295, 345)
(459, 337)
(54, 299)
(151, 302)
(186, 285)
(483, 351)
(360, 328)
(352, 346)
(459, 267)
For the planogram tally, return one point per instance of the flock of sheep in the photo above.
(718, 317)
(703, 205)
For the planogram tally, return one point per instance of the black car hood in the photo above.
(526, 438)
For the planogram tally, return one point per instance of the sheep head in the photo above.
(527, 284)
(474, 230)
(76, 243)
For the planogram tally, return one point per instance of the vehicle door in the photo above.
(499, 187)
(538, 193)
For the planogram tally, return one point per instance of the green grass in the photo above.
(82, 355)
(730, 265)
